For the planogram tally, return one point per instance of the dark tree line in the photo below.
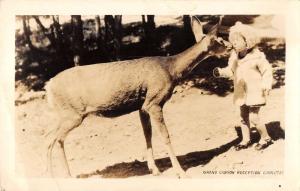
(52, 48)
(108, 35)
(61, 45)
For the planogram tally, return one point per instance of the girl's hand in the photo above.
(222, 72)
(216, 72)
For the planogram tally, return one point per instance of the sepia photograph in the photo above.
(179, 96)
(149, 96)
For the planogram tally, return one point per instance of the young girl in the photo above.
(252, 75)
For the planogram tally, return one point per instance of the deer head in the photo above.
(216, 46)
(219, 47)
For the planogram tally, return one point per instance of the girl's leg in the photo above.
(254, 120)
(244, 119)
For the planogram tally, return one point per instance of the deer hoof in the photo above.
(181, 175)
(155, 171)
(82, 176)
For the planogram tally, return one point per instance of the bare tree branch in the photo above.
(44, 30)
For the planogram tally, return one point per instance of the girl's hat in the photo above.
(246, 31)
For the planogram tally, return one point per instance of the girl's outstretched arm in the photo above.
(227, 72)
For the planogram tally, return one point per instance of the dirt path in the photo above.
(201, 128)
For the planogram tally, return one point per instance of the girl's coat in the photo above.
(252, 75)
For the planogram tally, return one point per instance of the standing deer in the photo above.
(121, 87)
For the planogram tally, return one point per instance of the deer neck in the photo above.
(186, 61)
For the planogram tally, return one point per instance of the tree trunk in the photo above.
(27, 32)
(77, 39)
(187, 27)
(149, 27)
(118, 35)
(150, 23)
(98, 33)
(57, 33)
(113, 36)
(57, 30)
(58, 43)
(143, 20)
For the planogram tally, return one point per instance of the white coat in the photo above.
(251, 75)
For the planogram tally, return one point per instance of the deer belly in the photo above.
(119, 107)
(117, 103)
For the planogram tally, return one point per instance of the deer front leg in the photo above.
(157, 120)
(145, 120)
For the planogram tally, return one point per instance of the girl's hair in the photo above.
(246, 31)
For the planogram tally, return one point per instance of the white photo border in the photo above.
(288, 9)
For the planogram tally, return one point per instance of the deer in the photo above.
(120, 87)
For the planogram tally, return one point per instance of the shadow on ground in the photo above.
(193, 159)
(275, 130)
(140, 168)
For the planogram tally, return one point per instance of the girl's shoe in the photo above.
(242, 146)
(265, 144)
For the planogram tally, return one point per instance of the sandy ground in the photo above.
(202, 132)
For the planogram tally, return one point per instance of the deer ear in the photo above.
(213, 31)
(197, 28)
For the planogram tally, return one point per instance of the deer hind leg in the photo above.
(145, 120)
(56, 146)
